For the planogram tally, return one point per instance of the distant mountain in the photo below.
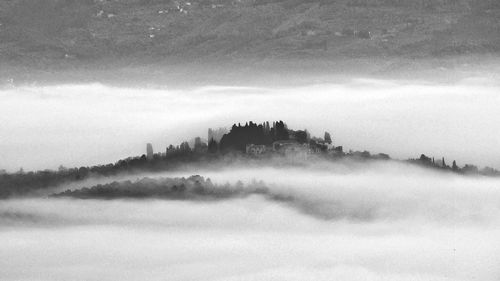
(74, 31)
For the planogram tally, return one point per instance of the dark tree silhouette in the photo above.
(240, 136)
(425, 160)
(185, 147)
(24, 182)
(213, 147)
(470, 169)
(281, 131)
(191, 188)
(301, 136)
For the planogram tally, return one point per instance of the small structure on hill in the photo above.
(281, 145)
(149, 152)
(291, 148)
(199, 145)
(425, 160)
(255, 149)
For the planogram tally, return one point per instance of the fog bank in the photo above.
(74, 125)
(383, 222)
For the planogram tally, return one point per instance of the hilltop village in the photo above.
(256, 140)
(261, 144)
(276, 139)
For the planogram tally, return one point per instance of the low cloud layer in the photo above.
(74, 125)
(379, 222)
(345, 221)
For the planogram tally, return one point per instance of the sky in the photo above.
(87, 124)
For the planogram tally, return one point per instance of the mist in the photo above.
(382, 161)
(81, 125)
(372, 221)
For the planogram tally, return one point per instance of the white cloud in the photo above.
(91, 124)
(387, 222)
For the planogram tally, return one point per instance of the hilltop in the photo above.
(267, 144)
(52, 33)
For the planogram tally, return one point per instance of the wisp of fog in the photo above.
(377, 220)
(81, 125)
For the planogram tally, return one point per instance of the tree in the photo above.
(240, 136)
(425, 160)
(267, 129)
(281, 132)
(470, 169)
(185, 147)
(454, 166)
(213, 147)
(301, 136)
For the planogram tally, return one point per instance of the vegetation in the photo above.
(192, 188)
(468, 169)
(251, 133)
(70, 31)
(276, 140)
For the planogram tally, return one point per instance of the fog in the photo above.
(341, 220)
(372, 221)
(74, 125)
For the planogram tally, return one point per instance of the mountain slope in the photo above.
(70, 31)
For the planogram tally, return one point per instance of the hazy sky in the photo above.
(74, 125)
(382, 222)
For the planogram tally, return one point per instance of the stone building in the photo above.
(254, 149)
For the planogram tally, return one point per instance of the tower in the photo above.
(149, 152)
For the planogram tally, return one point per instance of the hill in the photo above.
(249, 145)
(71, 32)
(191, 188)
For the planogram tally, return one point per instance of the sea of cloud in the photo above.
(371, 221)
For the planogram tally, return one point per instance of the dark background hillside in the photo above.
(52, 33)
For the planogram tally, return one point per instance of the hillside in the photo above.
(52, 32)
